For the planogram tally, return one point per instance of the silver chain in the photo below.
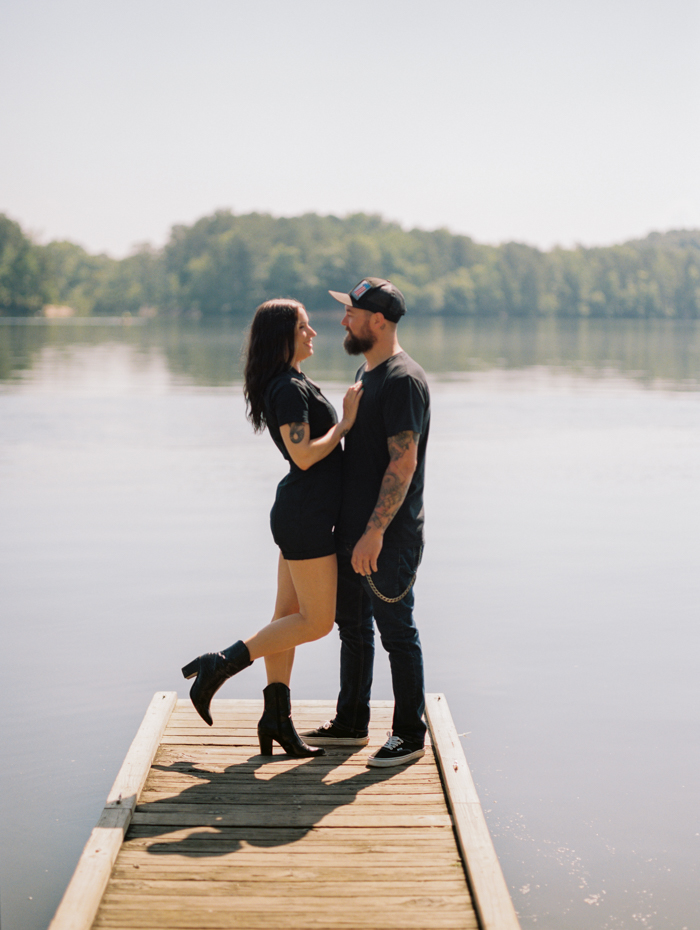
(395, 600)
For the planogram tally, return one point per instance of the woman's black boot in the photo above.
(212, 670)
(276, 724)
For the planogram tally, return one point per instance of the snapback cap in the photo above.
(375, 295)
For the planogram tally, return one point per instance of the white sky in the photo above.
(544, 121)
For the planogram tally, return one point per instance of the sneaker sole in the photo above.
(373, 762)
(341, 742)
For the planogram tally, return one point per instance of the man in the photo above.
(380, 530)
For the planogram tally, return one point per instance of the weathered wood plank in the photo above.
(231, 703)
(336, 767)
(288, 858)
(303, 918)
(176, 786)
(190, 911)
(242, 920)
(236, 741)
(489, 890)
(83, 895)
(324, 886)
(125, 870)
(304, 817)
(237, 752)
(211, 765)
(210, 762)
(299, 918)
(302, 836)
(249, 720)
(201, 859)
(275, 852)
(270, 814)
(287, 797)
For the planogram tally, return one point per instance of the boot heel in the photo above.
(191, 669)
(265, 744)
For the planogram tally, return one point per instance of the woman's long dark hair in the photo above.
(269, 352)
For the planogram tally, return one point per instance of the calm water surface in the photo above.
(557, 600)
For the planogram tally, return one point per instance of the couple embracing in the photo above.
(348, 523)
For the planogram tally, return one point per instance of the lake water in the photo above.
(557, 601)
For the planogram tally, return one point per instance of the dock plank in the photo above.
(206, 833)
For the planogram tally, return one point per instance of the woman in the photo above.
(304, 427)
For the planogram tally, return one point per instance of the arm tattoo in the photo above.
(296, 432)
(393, 489)
(401, 443)
(391, 496)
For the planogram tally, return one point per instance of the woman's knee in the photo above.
(320, 624)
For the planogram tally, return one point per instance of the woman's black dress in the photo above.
(308, 502)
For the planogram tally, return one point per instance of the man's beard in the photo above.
(357, 345)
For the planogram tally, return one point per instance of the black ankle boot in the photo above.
(212, 670)
(276, 724)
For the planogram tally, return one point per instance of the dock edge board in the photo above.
(490, 894)
(82, 898)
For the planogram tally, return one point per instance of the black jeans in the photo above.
(356, 607)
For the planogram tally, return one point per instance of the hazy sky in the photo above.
(543, 121)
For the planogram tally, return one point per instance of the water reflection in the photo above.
(557, 602)
(654, 353)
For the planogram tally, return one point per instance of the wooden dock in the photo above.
(200, 831)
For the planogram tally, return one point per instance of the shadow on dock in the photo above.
(277, 810)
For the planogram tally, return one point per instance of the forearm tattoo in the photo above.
(296, 432)
(391, 496)
(394, 488)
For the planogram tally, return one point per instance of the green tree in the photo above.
(24, 280)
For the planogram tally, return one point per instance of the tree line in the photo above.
(227, 264)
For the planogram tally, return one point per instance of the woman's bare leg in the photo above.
(314, 581)
(279, 664)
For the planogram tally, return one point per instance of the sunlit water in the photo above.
(557, 601)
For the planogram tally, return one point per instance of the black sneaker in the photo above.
(328, 734)
(395, 752)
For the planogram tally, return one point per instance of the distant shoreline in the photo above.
(73, 320)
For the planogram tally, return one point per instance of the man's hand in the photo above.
(366, 551)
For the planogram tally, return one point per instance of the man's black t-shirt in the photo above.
(395, 399)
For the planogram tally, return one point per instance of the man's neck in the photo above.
(380, 353)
